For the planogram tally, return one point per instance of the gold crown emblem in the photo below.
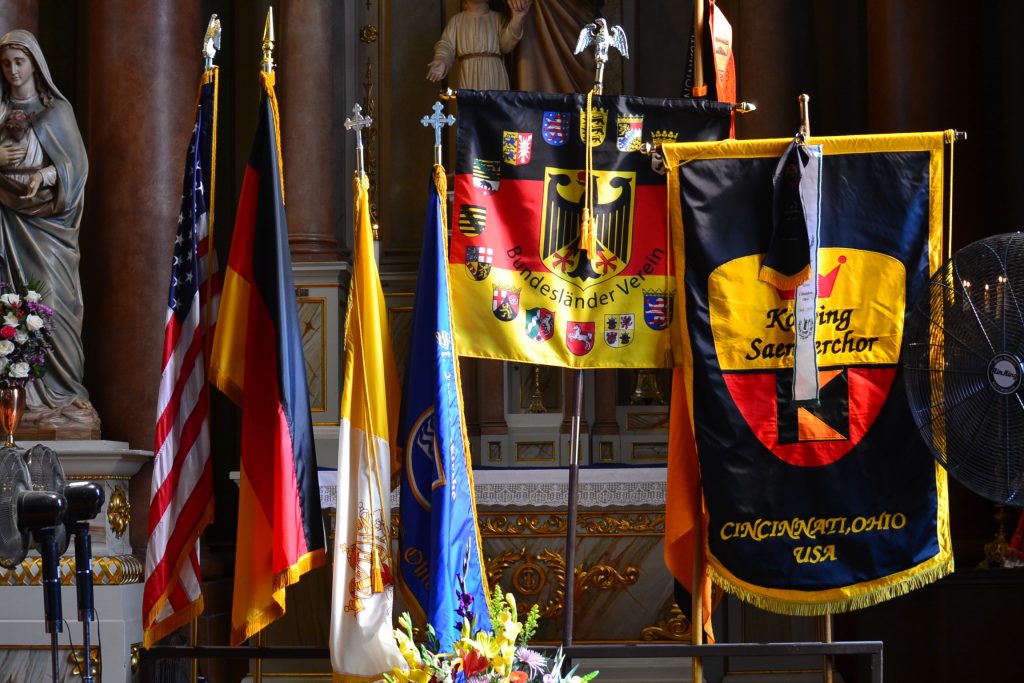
(660, 137)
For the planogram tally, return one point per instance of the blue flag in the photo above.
(441, 565)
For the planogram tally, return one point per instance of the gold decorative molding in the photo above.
(115, 570)
(119, 511)
(530, 573)
(368, 34)
(636, 523)
(639, 421)
(522, 525)
(604, 577)
(528, 590)
(75, 659)
(646, 523)
(536, 451)
(676, 627)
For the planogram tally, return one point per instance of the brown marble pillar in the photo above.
(605, 402)
(304, 85)
(19, 14)
(468, 372)
(492, 397)
(144, 66)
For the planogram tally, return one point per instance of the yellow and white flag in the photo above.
(362, 641)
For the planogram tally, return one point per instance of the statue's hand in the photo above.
(520, 6)
(34, 181)
(11, 155)
(437, 70)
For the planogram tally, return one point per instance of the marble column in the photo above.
(19, 14)
(469, 371)
(304, 86)
(605, 402)
(144, 67)
(492, 403)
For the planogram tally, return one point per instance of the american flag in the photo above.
(181, 500)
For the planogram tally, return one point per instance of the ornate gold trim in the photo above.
(676, 627)
(119, 511)
(547, 448)
(529, 577)
(318, 302)
(116, 570)
(612, 523)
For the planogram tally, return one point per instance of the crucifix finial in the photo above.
(358, 122)
(437, 121)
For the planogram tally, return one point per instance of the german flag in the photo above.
(257, 361)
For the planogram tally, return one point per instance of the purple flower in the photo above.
(533, 660)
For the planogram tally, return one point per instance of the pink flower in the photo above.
(7, 332)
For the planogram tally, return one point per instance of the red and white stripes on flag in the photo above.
(181, 500)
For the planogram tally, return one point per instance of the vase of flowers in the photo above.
(499, 656)
(24, 342)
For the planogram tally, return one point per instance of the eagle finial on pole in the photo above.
(602, 37)
(211, 42)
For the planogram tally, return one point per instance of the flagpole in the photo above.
(805, 133)
(602, 38)
(699, 88)
(697, 586)
(211, 43)
(267, 65)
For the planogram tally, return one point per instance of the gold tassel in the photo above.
(376, 572)
(588, 240)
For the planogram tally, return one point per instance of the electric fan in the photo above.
(24, 511)
(84, 500)
(963, 366)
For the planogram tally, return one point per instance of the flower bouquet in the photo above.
(501, 656)
(24, 334)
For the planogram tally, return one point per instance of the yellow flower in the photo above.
(414, 676)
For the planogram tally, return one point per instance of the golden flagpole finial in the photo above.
(268, 42)
(211, 42)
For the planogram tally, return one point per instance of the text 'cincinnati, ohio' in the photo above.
(811, 528)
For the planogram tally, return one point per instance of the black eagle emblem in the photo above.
(612, 226)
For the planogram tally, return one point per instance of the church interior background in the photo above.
(129, 71)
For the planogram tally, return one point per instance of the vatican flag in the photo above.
(362, 643)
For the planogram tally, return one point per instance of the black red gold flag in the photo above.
(258, 362)
(523, 286)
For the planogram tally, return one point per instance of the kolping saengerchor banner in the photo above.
(522, 288)
(812, 508)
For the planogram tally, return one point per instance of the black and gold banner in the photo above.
(823, 507)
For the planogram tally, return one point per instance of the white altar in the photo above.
(117, 573)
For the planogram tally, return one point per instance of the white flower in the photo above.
(6, 346)
(3, 365)
(33, 322)
(21, 337)
(11, 319)
(10, 299)
(33, 297)
(19, 370)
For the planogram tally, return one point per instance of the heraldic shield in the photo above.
(520, 190)
(827, 505)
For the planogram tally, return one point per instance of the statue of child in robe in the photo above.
(476, 38)
(43, 168)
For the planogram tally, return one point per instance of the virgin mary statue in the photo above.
(43, 167)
